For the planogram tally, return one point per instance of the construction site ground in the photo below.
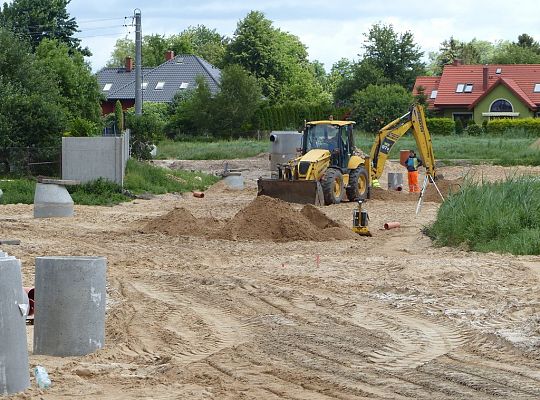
(195, 315)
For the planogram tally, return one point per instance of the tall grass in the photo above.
(17, 191)
(502, 217)
(145, 178)
(216, 150)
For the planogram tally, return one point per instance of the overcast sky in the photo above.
(330, 29)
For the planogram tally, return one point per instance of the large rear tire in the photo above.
(332, 186)
(358, 184)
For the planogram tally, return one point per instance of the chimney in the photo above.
(484, 78)
(457, 61)
(129, 64)
(169, 55)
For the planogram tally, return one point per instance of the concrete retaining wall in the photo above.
(89, 158)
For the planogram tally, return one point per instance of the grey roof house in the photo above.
(159, 84)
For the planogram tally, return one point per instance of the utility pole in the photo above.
(138, 62)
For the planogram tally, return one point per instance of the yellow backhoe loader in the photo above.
(387, 137)
(326, 171)
(329, 168)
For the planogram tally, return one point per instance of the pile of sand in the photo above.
(446, 186)
(265, 218)
(180, 222)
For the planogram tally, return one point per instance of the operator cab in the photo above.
(334, 136)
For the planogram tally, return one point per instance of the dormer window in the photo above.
(160, 85)
(107, 87)
(433, 94)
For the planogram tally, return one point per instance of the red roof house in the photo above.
(481, 92)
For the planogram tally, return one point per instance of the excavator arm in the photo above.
(388, 136)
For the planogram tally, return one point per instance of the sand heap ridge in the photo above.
(265, 218)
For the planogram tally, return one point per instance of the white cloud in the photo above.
(330, 30)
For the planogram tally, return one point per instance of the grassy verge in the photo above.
(505, 150)
(218, 150)
(502, 217)
(500, 150)
(140, 178)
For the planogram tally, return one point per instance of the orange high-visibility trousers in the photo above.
(413, 181)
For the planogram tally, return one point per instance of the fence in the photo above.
(31, 161)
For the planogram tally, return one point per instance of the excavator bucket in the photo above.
(302, 192)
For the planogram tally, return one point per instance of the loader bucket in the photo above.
(302, 192)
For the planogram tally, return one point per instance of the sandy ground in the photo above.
(386, 317)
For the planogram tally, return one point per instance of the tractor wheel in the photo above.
(358, 184)
(332, 186)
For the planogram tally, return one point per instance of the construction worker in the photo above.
(412, 165)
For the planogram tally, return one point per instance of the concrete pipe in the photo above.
(70, 301)
(51, 200)
(391, 225)
(198, 194)
(14, 369)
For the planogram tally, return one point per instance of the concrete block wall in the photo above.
(89, 158)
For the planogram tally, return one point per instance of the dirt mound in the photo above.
(181, 222)
(446, 186)
(264, 218)
(392, 195)
(317, 217)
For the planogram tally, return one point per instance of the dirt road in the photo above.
(387, 317)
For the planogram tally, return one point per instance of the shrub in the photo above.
(529, 126)
(441, 126)
(473, 130)
(80, 127)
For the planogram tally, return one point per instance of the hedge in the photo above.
(530, 126)
(440, 126)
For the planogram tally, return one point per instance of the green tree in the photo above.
(32, 110)
(234, 107)
(396, 55)
(511, 53)
(37, 20)
(146, 130)
(79, 89)
(377, 105)
(528, 42)
(118, 116)
(364, 73)
(277, 59)
(200, 41)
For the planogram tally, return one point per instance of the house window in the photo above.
(464, 117)
(537, 88)
(107, 87)
(433, 94)
(184, 85)
(498, 71)
(144, 85)
(468, 88)
(160, 85)
(460, 87)
(501, 105)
